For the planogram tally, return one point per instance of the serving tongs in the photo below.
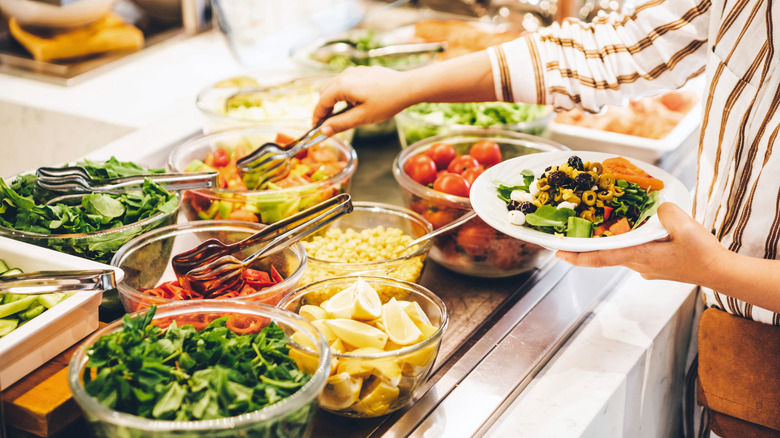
(271, 162)
(329, 49)
(75, 181)
(46, 282)
(210, 268)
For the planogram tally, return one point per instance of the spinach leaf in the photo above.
(504, 192)
(549, 216)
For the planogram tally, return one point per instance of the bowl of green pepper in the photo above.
(215, 368)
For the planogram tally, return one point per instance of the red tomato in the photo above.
(283, 139)
(421, 168)
(472, 173)
(461, 163)
(487, 152)
(452, 184)
(221, 158)
(442, 154)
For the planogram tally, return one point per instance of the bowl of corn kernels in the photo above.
(369, 241)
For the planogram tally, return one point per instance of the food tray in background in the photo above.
(645, 149)
(50, 333)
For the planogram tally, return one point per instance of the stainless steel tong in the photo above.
(76, 179)
(271, 162)
(45, 282)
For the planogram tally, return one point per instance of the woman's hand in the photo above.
(373, 91)
(690, 254)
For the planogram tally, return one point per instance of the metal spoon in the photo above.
(327, 51)
(454, 224)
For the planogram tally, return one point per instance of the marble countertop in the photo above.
(618, 375)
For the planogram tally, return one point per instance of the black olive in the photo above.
(527, 207)
(576, 162)
(633, 212)
(549, 168)
(583, 181)
(558, 179)
(513, 205)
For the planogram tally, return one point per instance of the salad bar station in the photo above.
(394, 280)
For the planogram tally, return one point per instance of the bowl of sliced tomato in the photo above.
(436, 175)
(317, 173)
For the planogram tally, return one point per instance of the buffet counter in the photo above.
(558, 352)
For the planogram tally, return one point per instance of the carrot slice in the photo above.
(620, 227)
(624, 169)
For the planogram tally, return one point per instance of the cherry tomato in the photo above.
(421, 168)
(442, 154)
(472, 173)
(461, 163)
(221, 158)
(452, 184)
(487, 152)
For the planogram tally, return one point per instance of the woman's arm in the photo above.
(693, 255)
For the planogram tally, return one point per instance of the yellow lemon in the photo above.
(399, 326)
(376, 400)
(417, 314)
(427, 329)
(354, 367)
(340, 392)
(421, 357)
(306, 361)
(303, 340)
(341, 305)
(312, 313)
(320, 325)
(337, 346)
(357, 334)
(367, 303)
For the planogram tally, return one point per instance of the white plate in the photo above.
(52, 332)
(492, 210)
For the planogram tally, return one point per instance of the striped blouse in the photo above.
(661, 45)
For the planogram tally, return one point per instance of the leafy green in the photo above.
(366, 42)
(182, 374)
(649, 207)
(549, 217)
(504, 192)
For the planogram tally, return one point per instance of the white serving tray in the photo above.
(55, 330)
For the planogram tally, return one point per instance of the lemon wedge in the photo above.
(367, 303)
(417, 314)
(341, 305)
(378, 398)
(338, 347)
(320, 325)
(399, 326)
(358, 334)
(306, 361)
(301, 339)
(312, 313)
(340, 392)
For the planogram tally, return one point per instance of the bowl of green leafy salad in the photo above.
(426, 120)
(94, 226)
(213, 368)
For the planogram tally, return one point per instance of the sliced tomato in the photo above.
(283, 139)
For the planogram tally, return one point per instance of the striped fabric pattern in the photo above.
(661, 45)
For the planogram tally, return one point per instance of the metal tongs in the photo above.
(271, 162)
(45, 282)
(328, 50)
(76, 181)
(210, 268)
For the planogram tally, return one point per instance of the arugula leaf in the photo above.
(649, 208)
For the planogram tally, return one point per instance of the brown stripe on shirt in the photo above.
(704, 124)
(770, 248)
(541, 96)
(732, 16)
(503, 70)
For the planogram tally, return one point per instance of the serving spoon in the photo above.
(454, 224)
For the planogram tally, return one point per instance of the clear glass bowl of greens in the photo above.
(150, 280)
(93, 227)
(384, 336)
(274, 365)
(318, 173)
(425, 120)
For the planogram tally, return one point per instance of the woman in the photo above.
(731, 248)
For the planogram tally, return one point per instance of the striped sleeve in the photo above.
(660, 46)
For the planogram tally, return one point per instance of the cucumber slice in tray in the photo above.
(16, 310)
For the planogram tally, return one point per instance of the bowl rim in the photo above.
(458, 136)
(391, 209)
(546, 118)
(159, 216)
(280, 88)
(176, 229)
(389, 281)
(264, 128)
(308, 393)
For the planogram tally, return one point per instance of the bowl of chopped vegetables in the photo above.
(317, 173)
(368, 241)
(94, 226)
(384, 336)
(436, 175)
(150, 280)
(155, 373)
(430, 119)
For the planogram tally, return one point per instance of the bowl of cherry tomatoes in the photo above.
(436, 175)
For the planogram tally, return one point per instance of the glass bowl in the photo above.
(289, 417)
(266, 206)
(99, 246)
(366, 382)
(146, 261)
(413, 127)
(369, 216)
(474, 248)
